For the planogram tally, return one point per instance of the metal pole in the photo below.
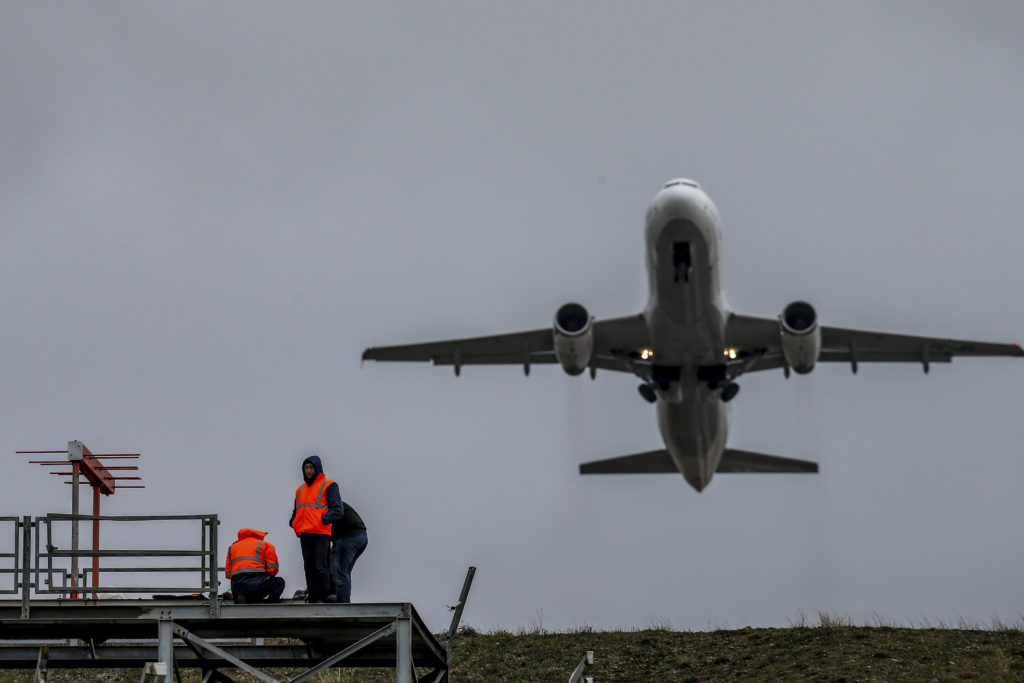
(458, 614)
(26, 563)
(95, 538)
(75, 470)
(403, 650)
(165, 646)
(214, 579)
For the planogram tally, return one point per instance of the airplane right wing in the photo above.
(659, 461)
(757, 342)
(614, 339)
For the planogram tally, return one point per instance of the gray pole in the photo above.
(403, 650)
(458, 614)
(165, 646)
(214, 580)
(75, 455)
(26, 565)
(74, 524)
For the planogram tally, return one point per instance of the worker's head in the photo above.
(311, 468)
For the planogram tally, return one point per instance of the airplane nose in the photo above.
(698, 481)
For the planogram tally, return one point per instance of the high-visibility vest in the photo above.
(310, 505)
(251, 554)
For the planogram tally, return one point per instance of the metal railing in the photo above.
(14, 556)
(36, 563)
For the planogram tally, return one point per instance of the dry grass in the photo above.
(830, 650)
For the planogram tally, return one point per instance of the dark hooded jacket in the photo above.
(335, 508)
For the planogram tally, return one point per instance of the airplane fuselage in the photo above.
(686, 316)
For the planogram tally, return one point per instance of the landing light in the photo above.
(646, 354)
(731, 353)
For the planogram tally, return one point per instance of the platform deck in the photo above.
(325, 630)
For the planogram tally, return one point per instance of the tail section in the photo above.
(660, 462)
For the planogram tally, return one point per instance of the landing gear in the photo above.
(729, 392)
(647, 391)
(682, 261)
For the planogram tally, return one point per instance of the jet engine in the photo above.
(574, 338)
(801, 336)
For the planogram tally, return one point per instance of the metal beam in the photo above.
(188, 636)
(26, 565)
(350, 650)
(165, 647)
(458, 613)
(582, 668)
(403, 651)
(435, 676)
(44, 654)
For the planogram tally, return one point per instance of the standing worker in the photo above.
(348, 541)
(252, 567)
(317, 506)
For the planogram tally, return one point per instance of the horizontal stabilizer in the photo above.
(651, 462)
(660, 462)
(748, 461)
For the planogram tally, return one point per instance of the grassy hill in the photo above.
(828, 652)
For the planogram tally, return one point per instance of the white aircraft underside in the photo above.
(688, 347)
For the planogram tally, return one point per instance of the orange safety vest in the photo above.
(251, 554)
(310, 505)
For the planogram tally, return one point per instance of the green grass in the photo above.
(831, 650)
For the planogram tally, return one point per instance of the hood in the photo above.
(251, 533)
(318, 469)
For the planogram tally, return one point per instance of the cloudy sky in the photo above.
(208, 211)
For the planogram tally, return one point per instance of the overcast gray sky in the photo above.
(208, 211)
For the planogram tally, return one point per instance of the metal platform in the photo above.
(388, 635)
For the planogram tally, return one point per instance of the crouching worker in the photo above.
(252, 568)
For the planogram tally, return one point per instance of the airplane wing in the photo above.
(757, 343)
(659, 462)
(613, 338)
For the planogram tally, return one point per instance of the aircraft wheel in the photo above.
(647, 391)
(730, 391)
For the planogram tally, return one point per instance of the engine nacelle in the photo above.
(574, 338)
(801, 336)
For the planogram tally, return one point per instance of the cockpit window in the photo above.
(681, 181)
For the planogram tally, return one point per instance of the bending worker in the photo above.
(317, 506)
(252, 568)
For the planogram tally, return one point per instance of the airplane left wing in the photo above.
(614, 339)
(757, 343)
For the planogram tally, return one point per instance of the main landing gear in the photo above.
(647, 390)
(682, 261)
(729, 392)
(717, 379)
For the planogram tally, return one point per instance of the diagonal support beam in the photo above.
(44, 655)
(193, 639)
(348, 651)
(457, 617)
(435, 676)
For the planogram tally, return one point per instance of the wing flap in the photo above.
(734, 461)
(511, 345)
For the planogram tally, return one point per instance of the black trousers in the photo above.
(316, 562)
(257, 587)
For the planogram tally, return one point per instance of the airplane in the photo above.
(688, 347)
